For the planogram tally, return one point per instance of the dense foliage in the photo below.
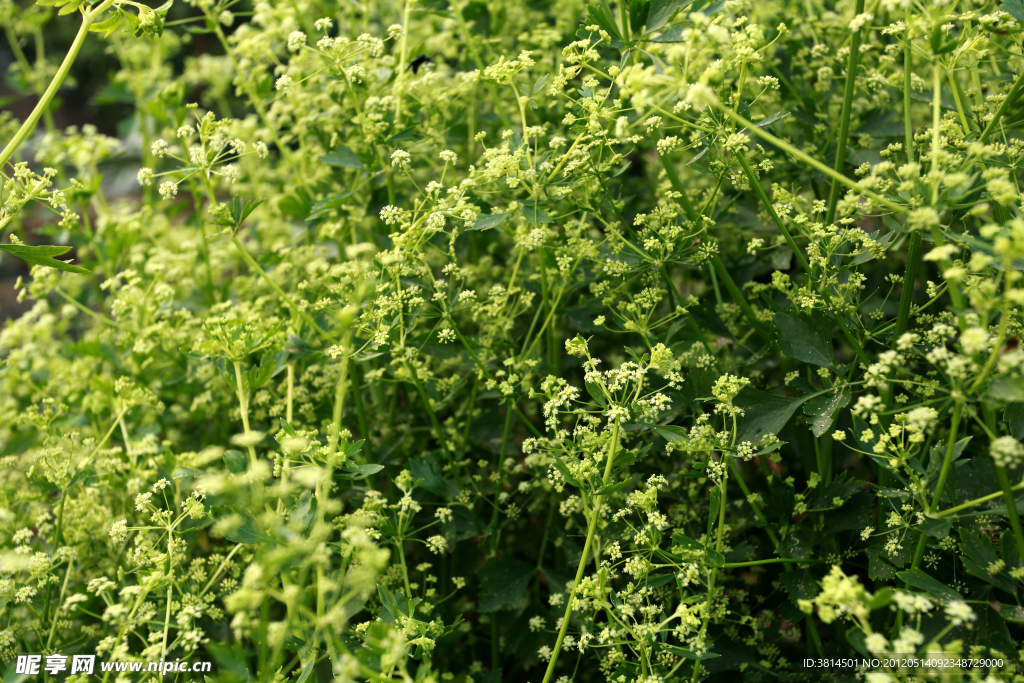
(512, 340)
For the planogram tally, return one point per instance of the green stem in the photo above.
(809, 160)
(591, 529)
(844, 122)
(29, 126)
(775, 216)
(714, 571)
(1011, 507)
(976, 501)
(431, 414)
(908, 124)
(947, 461)
(1011, 97)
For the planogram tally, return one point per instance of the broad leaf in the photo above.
(765, 413)
(488, 221)
(821, 414)
(342, 157)
(503, 581)
(806, 337)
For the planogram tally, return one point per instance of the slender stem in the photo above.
(247, 257)
(809, 160)
(908, 122)
(947, 461)
(719, 535)
(844, 121)
(1011, 508)
(775, 216)
(716, 263)
(29, 126)
(1011, 98)
(431, 414)
(1000, 338)
(595, 513)
(975, 502)
(770, 560)
(500, 471)
(243, 405)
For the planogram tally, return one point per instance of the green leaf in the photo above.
(566, 474)
(306, 670)
(714, 558)
(488, 221)
(806, 337)
(936, 528)
(342, 157)
(503, 581)
(355, 472)
(716, 500)
(1006, 388)
(183, 472)
(236, 461)
(881, 599)
(243, 531)
(1015, 8)
(917, 578)
(765, 413)
(611, 488)
(670, 433)
(822, 413)
(42, 256)
(534, 214)
(1014, 416)
(661, 12)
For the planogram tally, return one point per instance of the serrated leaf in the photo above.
(765, 413)
(358, 472)
(822, 413)
(42, 256)
(612, 488)
(806, 337)
(183, 472)
(936, 528)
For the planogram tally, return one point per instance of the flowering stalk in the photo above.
(592, 523)
(29, 125)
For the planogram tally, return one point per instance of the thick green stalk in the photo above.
(947, 460)
(720, 533)
(595, 514)
(29, 126)
(844, 121)
(1011, 507)
(976, 501)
